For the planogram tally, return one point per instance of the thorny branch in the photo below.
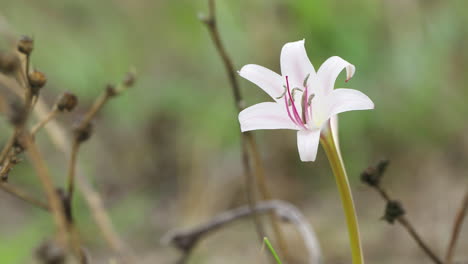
(186, 240)
(394, 210)
(457, 225)
(249, 147)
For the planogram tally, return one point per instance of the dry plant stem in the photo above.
(44, 121)
(6, 167)
(9, 144)
(405, 223)
(410, 229)
(85, 122)
(457, 225)
(27, 109)
(250, 187)
(55, 204)
(58, 137)
(98, 104)
(211, 24)
(186, 240)
(23, 195)
(72, 168)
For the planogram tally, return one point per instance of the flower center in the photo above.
(300, 114)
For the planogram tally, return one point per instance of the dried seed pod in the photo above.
(82, 134)
(393, 210)
(110, 90)
(51, 252)
(370, 176)
(373, 174)
(67, 101)
(129, 80)
(37, 80)
(25, 45)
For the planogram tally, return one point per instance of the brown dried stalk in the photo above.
(394, 210)
(457, 225)
(249, 146)
(55, 203)
(186, 240)
(82, 132)
(83, 129)
(31, 82)
(15, 191)
(57, 135)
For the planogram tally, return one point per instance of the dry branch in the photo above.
(186, 240)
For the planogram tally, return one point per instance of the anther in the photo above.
(284, 93)
(293, 92)
(309, 101)
(305, 80)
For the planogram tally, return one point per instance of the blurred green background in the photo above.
(166, 154)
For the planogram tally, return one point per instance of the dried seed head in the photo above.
(37, 80)
(110, 90)
(51, 252)
(129, 80)
(25, 45)
(67, 101)
(393, 210)
(9, 62)
(373, 174)
(82, 134)
(382, 166)
(370, 176)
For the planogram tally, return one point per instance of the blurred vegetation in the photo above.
(177, 131)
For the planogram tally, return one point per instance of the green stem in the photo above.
(336, 163)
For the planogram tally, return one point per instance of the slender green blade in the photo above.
(272, 250)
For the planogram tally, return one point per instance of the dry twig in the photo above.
(394, 210)
(186, 240)
(457, 225)
(249, 146)
(15, 191)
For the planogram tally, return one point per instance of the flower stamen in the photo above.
(297, 119)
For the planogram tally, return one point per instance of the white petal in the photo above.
(269, 81)
(265, 116)
(295, 64)
(307, 144)
(329, 71)
(343, 100)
